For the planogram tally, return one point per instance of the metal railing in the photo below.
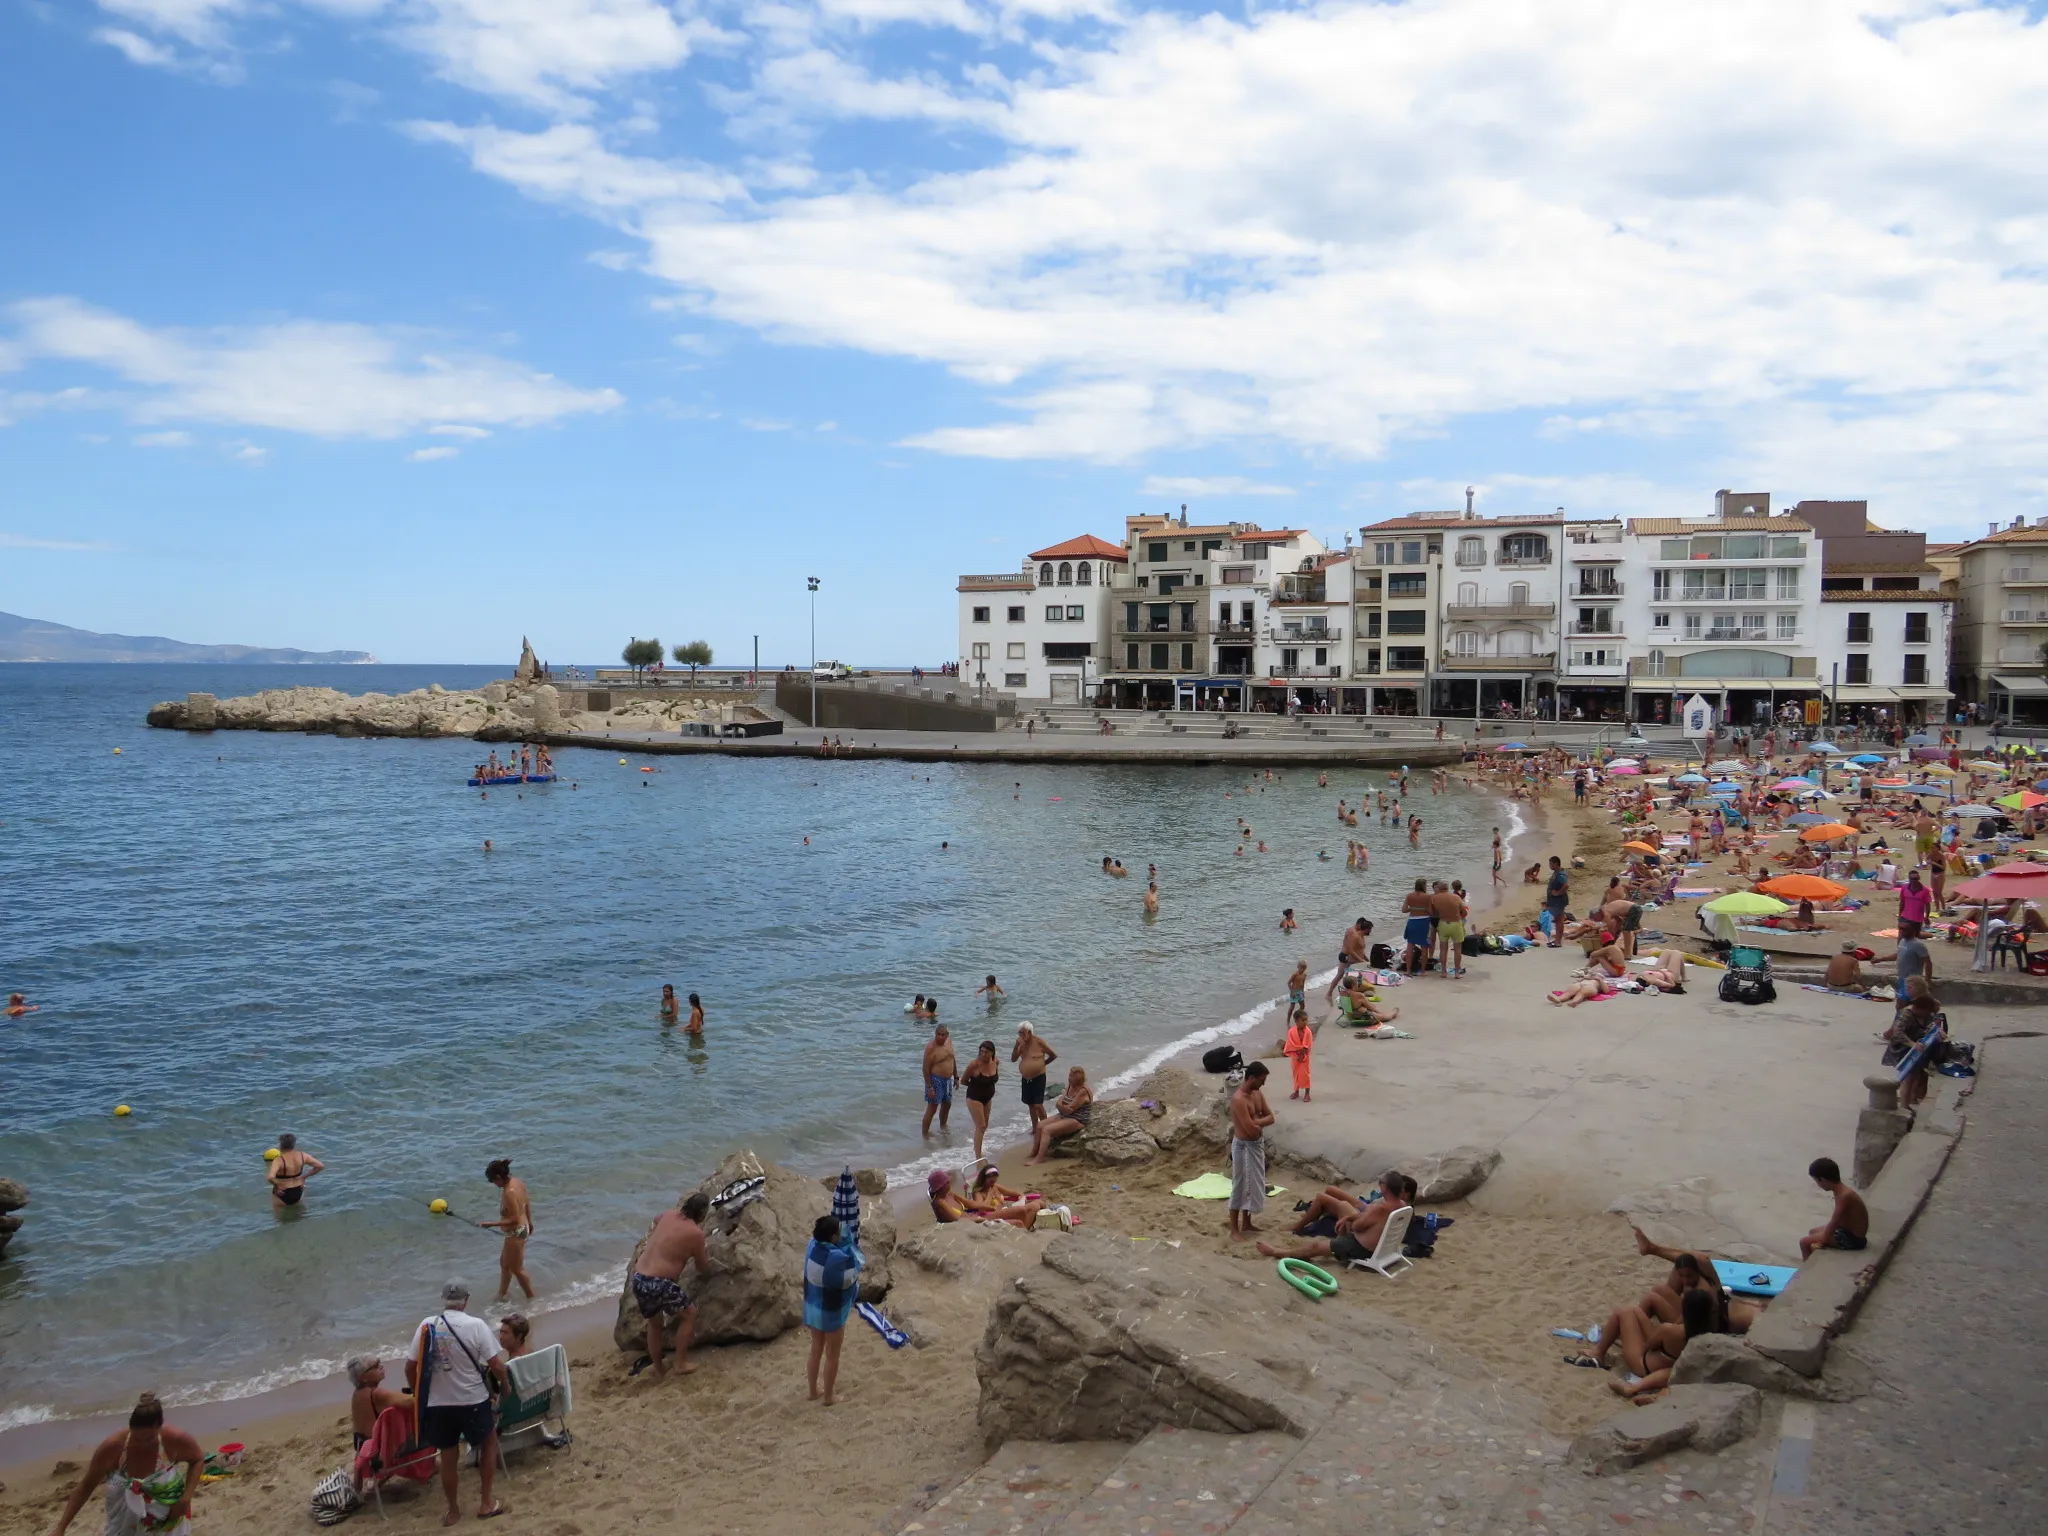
(1223, 631)
(1500, 610)
(1602, 589)
(1304, 670)
(1014, 579)
(1304, 636)
(1535, 661)
(1199, 624)
(1580, 627)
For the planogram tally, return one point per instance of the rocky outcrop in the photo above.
(13, 1196)
(1725, 1357)
(1119, 1133)
(1108, 1338)
(1698, 1418)
(1693, 1214)
(1454, 1174)
(755, 1288)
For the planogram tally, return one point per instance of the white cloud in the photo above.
(249, 453)
(197, 22)
(456, 429)
(429, 455)
(138, 49)
(549, 53)
(314, 377)
(1210, 485)
(64, 546)
(164, 440)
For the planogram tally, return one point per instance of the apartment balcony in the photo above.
(1246, 632)
(1523, 562)
(1578, 627)
(1285, 636)
(1173, 668)
(1804, 668)
(1500, 610)
(1185, 629)
(1397, 665)
(1598, 589)
(1011, 580)
(1470, 562)
(1538, 661)
(1739, 637)
(1585, 669)
(2025, 576)
(1304, 669)
(2021, 618)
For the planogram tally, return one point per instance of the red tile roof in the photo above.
(1086, 547)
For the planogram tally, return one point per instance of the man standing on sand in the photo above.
(515, 1220)
(941, 1072)
(1500, 857)
(1448, 912)
(1557, 895)
(1352, 951)
(454, 1361)
(1249, 1118)
(677, 1239)
(1033, 1056)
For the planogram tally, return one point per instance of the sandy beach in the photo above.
(1592, 1109)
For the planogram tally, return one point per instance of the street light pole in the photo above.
(814, 649)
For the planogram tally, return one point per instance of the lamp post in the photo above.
(814, 649)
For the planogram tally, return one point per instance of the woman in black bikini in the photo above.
(289, 1171)
(978, 1082)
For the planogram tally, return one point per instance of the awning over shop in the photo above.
(1863, 693)
(2024, 687)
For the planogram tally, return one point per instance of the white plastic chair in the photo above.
(1388, 1253)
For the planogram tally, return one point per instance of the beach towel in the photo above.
(1248, 1175)
(1215, 1186)
(1753, 1279)
(872, 1316)
(1384, 1032)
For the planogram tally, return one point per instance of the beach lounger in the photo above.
(1388, 1252)
(540, 1392)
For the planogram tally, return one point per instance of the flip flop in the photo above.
(640, 1365)
(497, 1508)
(1587, 1361)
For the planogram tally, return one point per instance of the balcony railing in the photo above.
(1304, 636)
(1598, 589)
(1008, 579)
(1471, 561)
(1500, 610)
(1186, 628)
(2022, 616)
(1397, 664)
(1644, 666)
(1538, 661)
(1521, 562)
(1224, 631)
(1303, 669)
(1580, 627)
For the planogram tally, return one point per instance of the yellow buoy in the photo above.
(438, 1207)
(270, 1154)
(121, 1109)
(622, 762)
(117, 751)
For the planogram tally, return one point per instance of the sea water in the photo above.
(241, 934)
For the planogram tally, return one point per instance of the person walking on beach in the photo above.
(515, 1220)
(1249, 1117)
(979, 1084)
(1033, 1056)
(677, 1240)
(289, 1171)
(454, 1363)
(150, 1463)
(831, 1287)
(1500, 857)
(1557, 896)
(1300, 1042)
(941, 1072)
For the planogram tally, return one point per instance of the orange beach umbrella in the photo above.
(1810, 886)
(1638, 847)
(1826, 832)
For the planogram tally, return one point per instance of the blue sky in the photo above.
(416, 325)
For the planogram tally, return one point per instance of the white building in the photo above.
(1885, 624)
(2002, 622)
(1041, 632)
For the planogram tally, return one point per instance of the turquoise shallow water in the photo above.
(245, 933)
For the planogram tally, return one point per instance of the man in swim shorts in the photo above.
(515, 1220)
(1448, 912)
(1355, 1232)
(941, 1072)
(1848, 1224)
(677, 1240)
(1033, 1056)
(1351, 951)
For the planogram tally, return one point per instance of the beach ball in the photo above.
(121, 1109)
(438, 1207)
(270, 1154)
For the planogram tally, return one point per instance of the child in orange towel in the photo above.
(1300, 1042)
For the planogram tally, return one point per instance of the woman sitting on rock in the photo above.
(1074, 1108)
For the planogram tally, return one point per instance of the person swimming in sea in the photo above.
(18, 1005)
(289, 1171)
(669, 1010)
(696, 1024)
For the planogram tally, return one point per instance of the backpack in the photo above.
(1381, 957)
(335, 1498)
(1745, 986)
(1222, 1058)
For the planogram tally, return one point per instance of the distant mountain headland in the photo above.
(38, 640)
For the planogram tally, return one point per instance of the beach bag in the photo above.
(1381, 957)
(335, 1498)
(1222, 1058)
(1747, 986)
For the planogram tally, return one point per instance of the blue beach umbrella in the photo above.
(1804, 819)
(1867, 759)
(1920, 739)
(1822, 747)
(1690, 778)
(1514, 746)
(1725, 788)
(846, 1206)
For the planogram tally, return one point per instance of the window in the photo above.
(1130, 618)
(1703, 586)
(1916, 629)
(1468, 593)
(1411, 551)
(1187, 616)
(1859, 629)
(1083, 574)
(1322, 656)
(1788, 583)
(1856, 668)
(1290, 659)
(1916, 670)
(1692, 626)
(1517, 642)
(1076, 612)
(1187, 658)
(1372, 662)
(1408, 621)
(1518, 594)
(1383, 552)
(1054, 613)
(1159, 657)
(1706, 549)
(1788, 626)
(1372, 624)
(1169, 583)
(1210, 546)
(1471, 550)
(1656, 663)
(1236, 576)
(1841, 583)
(1465, 642)
(1017, 614)
(981, 615)
(1754, 626)
(1784, 548)
(1410, 584)
(1066, 573)
(1674, 549)
(1405, 658)
(1045, 574)
(1660, 621)
(1131, 656)
(981, 650)
(2019, 573)
(1722, 627)
(1158, 616)
(1745, 546)
(1144, 582)
(1245, 610)
(1016, 650)
(1187, 546)
(1524, 549)
(1749, 586)
(1660, 586)
(1155, 551)
(1015, 680)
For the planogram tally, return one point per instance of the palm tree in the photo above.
(694, 655)
(640, 654)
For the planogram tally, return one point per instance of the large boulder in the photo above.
(1108, 1338)
(547, 708)
(1119, 1133)
(13, 1196)
(755, 1290)
(1698, 1418)
(1454, 1174)
(1726, 1357)
(1191, 1111)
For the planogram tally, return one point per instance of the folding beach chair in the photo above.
(1388, 1252)
(540, 1392)
(391, 1452)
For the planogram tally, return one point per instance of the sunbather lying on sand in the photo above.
(991, 1201)
(1668, 974)
(1583, 990)
(1649, 1347)
(1357, 1234)
(1692, 1269)
(1334, 1202)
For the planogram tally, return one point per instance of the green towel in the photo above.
(1214, 1186)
